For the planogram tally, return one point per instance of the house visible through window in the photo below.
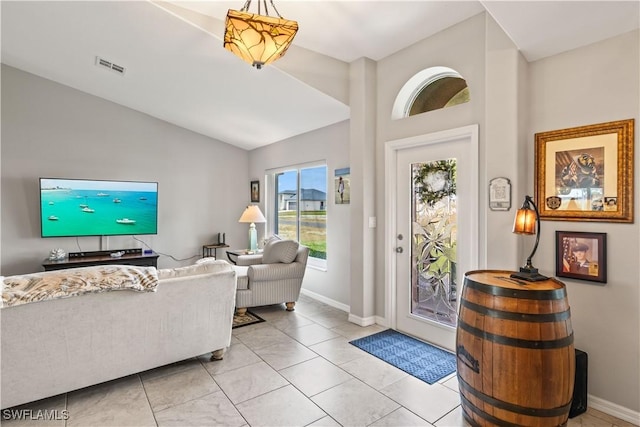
(299, 208)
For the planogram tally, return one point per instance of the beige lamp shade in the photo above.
(258, 39)
(252, 214)
(525, 222)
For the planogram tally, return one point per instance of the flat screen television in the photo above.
(82, 207)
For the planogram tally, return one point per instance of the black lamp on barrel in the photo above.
(528, 222)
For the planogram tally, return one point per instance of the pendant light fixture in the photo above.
(258, 39)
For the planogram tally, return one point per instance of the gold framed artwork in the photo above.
(586, 173)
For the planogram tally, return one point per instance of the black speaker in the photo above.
(579, 402)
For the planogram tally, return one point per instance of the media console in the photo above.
(91, 258)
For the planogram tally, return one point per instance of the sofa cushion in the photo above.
(283, 251)
(205, 259)
(192, 270)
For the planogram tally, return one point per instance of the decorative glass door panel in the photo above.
(434, 241)
(435, 235)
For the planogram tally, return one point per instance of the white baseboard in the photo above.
(362, 321)
(613, 409)
(328, 301)
(382, 321)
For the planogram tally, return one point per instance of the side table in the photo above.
(206, 249)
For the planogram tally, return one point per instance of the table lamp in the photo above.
(252, 215)
(528, 222)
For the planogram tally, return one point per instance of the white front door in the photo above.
(436, 226)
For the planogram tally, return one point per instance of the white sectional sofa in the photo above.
(59, 345)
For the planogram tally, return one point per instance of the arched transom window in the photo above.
(430, 89)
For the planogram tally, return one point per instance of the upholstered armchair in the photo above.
(271, 277)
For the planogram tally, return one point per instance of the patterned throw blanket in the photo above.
(77, 281)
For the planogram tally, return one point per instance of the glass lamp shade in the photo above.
(525, 221)
(258, 39)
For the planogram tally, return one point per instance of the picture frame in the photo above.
(586, 173)
(500, 194)
(342, 186)
(255, 191)
(581, 255)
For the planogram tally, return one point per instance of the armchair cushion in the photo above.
(249, 259)
(280, 251)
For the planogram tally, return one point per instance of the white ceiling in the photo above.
(179, 73)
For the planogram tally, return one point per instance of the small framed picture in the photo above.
(255, 191)
(581, 255)
(343, 186)
(500, 194)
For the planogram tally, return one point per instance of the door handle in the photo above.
(399, 249)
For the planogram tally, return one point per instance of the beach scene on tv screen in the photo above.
(97, 208)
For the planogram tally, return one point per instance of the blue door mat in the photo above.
(417, 358)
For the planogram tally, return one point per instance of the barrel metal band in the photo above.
(516, 342)
(466, 404)
(510, 315)
(523, 410)
(552, 294)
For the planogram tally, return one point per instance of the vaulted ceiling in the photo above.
(177, 70)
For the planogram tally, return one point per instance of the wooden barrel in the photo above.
(514, 348)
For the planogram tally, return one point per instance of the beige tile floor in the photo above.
(295, 369)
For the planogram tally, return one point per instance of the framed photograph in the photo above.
(581, 255)
(255, 191)
(343, 186)
(586, 173)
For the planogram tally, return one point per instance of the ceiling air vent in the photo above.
(103, 63)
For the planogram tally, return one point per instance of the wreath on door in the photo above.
(434, 181)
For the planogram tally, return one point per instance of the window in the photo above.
(299, 207)
(428, 90)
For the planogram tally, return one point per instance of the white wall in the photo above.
(51, 130)
(332, 145)
(362, 139)
(505, 145)
(596, 84)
